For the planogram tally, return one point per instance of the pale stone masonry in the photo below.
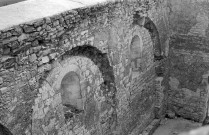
(112, 96)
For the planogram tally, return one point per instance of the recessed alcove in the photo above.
(71, 93)
(136, 54)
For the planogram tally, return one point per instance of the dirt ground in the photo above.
(175, 126)
(8, 2)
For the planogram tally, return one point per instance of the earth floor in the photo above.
(175, 126)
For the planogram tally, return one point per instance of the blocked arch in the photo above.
(101, 60)
(147, 23)
(68, 63)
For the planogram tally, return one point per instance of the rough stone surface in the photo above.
(32, 58)
(188, 94)
(188, 58)
(45, 59)
(95, 43)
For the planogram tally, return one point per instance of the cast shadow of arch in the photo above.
(4, 130)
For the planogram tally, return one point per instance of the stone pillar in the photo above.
(159, 97)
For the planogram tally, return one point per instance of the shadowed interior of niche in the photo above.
(71, 94)
(136, 54)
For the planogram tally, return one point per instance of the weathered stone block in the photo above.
(52, 56)
(22, 37)
(14, 45)
(55, 23)
(9, 63)
(45, 59)
(4, 90)
(43, 68)
(6, 51)
(28, 29)
(11, 39)
(38, 23)
(32, 58)
(45, 52)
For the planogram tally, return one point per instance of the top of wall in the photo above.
(31, 10)
(9, 2)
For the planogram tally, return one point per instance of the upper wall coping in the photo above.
(30, 10)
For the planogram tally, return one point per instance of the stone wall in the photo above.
(189, 17)
(93, 42)
(188, 92)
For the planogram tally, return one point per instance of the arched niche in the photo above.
(147, 23)
(71, 91)
(107, 87)
(136, 54)
(85, 69)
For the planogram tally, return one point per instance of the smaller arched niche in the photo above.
(71, 94)
(136, 54)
